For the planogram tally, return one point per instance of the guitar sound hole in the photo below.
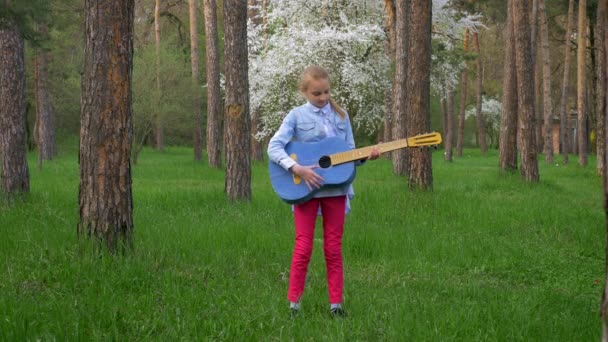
(325, 162)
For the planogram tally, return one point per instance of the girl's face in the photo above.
(318, 92)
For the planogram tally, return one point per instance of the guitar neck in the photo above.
(362, 153)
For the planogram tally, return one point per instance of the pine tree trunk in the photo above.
(15, 179)
(581, 107)
(449, 136)
(420, 175)
(159, 135)
(508, 120)
(196, 92)
(601, 85)
(547, 103)
(481, 125)
(214, 101)
(106, 130)
(525, 92)
(564, 116)
(464, 80)
(537, 75)
(238, 140)
(400, 86)
(45, 114)
(604, 304)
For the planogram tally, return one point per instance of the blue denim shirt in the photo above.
(306, 123)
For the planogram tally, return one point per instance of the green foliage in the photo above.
(174, 102)
(483, 257)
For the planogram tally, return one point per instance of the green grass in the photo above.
(484, 256)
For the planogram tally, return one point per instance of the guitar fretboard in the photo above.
(361, 153)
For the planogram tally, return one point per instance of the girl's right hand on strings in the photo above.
(307, 173)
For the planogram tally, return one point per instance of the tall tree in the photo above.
(44, 131)
(564, 136)
(525, 92)
(159, 134)
(481, 125)
(464, 80)
(15, 179)
(581, 107)
(449, 136)
(389, 47)
(546, 67)
(214, 104)
(536, 68)
(418, 91)
(106, 130)
(508, 120)
(196, 93)
(604, 304)
(238, 141)
(600, 34)
(402, 58)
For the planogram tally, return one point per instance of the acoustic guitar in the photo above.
(336, 163)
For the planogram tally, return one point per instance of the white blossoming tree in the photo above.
(346, 38)
(491, 109)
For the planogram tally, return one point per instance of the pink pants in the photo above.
(333, 227)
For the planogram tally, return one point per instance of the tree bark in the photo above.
(238, 140)
(449, 136)
(481, 125)
(159, 135)
(196, 92)
(581, 109)
(44, 131)
(508, 120)
(464, 80)
(420, 175)
(537, 75)
(402, 58)
(601, 85)
(563, 111)
(214, 104)
(15, 179)
(604, 304)
(525, 92)
(547, 103)
(106, 130)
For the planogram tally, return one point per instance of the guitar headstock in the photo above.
(427, 139)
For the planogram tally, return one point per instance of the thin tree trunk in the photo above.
(537, 75)
(44, 131)
(420, 173)
(402, 10)
(159, 135)
(525, 92)
(214, 103)
(449, 131)
(508, 120)
(196, 92)
(481, 126)
(106, 130)
(464, 80)
(15, 179)
(238, 141)
(547, 103)
(564, 110)
(601, 85)
(604, 304)
(581, 109)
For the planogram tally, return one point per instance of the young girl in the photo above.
(318, 119)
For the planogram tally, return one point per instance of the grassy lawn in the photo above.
(484, 256)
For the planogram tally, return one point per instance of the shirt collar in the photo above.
(323, 110)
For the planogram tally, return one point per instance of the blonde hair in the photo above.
(315, 72)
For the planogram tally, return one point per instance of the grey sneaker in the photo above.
(338, 312)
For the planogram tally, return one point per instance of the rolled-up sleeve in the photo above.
(276, 146)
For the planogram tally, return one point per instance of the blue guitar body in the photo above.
(290, 189)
